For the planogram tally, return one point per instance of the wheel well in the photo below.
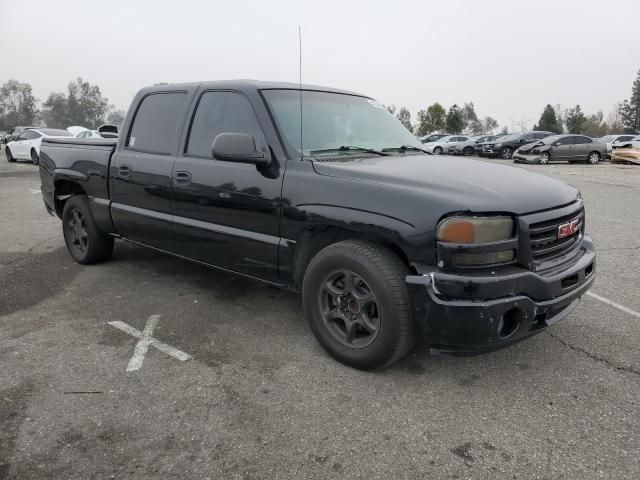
(318, 237)
(63, 190)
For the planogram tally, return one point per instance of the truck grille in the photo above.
(543, 236)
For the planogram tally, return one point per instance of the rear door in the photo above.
(582, 147)
(140, 177)
(226, 213)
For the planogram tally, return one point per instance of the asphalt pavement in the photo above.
(256, 397)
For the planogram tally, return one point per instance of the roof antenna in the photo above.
(300, 83)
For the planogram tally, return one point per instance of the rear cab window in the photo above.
(156, 124)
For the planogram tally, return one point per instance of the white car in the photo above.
(445, 144)
(616, 140)
(27, 145)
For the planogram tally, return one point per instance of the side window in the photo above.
(580, 140)
(567, 141)
(221, 112)
(155, 126)
(625, 138)
(540, 136)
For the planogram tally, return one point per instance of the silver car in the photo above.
(568, 148)
(468, 146)
(445, 144)
(611, 140)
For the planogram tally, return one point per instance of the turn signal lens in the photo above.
(475, 229)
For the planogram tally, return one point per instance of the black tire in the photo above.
(9, 155)
(380, 278)
(468, 151)
(594, 158)
(437, 151)
(85, 242)
(34, 157)
(506, 153)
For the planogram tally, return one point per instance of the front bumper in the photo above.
(486, 311)
(524, 158)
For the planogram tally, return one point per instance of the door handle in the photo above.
(182, 179)
(124, 171)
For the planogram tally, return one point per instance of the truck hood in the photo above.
(466, 184)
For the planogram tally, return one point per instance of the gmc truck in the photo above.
(323, 192)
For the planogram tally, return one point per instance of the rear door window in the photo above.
(156, 125)
(221, 112)
(580, 140)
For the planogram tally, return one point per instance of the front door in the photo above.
(226, 213)
(140, 177)
(563, 149)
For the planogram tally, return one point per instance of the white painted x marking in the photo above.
(146, 340)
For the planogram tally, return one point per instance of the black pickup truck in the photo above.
(322, 191)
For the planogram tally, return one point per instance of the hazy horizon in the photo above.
(509, 58)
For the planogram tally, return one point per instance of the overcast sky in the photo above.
(509, 57)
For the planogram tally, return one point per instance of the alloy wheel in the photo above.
(349, 309)
(78, 231)
(594, 158)
(506, 153)
(544, 158)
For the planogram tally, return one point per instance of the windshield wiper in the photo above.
(349, 148)
(404, 148)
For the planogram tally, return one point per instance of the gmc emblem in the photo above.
(567, 229)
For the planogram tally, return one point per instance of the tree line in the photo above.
(625, 118)
(82, 104)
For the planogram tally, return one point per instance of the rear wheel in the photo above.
(34, 157)
(544, 158)
(468, 151)
(594, 158)
(357, 302)
(506, 153)
(85, 242)
(9, 155)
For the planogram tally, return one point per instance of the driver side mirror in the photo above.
(557, 144)
(238, 147)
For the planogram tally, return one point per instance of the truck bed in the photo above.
(85, 162)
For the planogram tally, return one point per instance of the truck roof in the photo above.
(244, 84)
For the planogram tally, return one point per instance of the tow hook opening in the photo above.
(509, 322)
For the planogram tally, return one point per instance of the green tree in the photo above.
(17, 104)
(82, 105)
(471, 123)
(455, 120)
(595, 126)
(488, 125)
(391, 109)
(575, 120)
(548, 121)
(404, 115)
(115, 116)
(630, 109)
(431, 120)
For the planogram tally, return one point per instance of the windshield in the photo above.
(511, 136)
(334, 120)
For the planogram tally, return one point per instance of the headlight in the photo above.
(475, 229)
(472, 241)
(498, 145)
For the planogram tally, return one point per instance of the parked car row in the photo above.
(23, 143)
(529, 147)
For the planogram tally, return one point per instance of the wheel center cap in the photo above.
(353, 305)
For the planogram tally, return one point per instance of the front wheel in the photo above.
(437, 151)
(34, 157)
(10, 157)
(506, 153)
(357, 302)
(85, 242)
(594, 158)
(544, 158)
(468, 151)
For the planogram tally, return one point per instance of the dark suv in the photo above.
(504, 146)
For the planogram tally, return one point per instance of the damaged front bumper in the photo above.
(485, 311)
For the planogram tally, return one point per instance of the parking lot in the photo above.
(260, 399)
